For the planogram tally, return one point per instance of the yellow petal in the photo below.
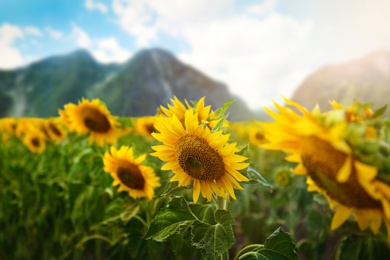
(345, 170)
(376, 221)
(341, 215)
(196, 191)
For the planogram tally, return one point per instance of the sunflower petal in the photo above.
(341, 215)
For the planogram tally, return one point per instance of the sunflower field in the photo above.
(189, 184)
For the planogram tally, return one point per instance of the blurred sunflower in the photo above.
(8, 125)
(55, 129)
(7, 128)
(35, 141)
(93, 118)
(282, 177)
(23, 126)
(197, 155)
(318, 143)
(145, 126)
(129, 173)
(256, 135)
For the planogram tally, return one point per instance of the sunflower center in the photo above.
(35, 142)
(198, 159)
(131, 176)
(323, 162)
(54, 129)
(259, 136)
(96, 121)
(150, 128)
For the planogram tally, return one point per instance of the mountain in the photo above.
(135, 88)
(366, 79)
(43, 87)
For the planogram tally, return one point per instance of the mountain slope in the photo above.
(154, 76)
(136, 88)
(366, 80)
(39, 89)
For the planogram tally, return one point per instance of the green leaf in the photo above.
(173, 219)
(214, 240)
(278, 246)
(130, 212)
(379, 112)
(220, 112)
(256, 178)
(181, 245)
(204, 212)
(364, 247)
(220, 123)
(172, 188)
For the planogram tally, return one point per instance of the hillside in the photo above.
(366, 80)
(136, 88)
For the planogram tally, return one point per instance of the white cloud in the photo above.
(82, 38)
(346, 32)
(11, 57)
(253, 61)
(105, 50)
(254, 51)
(32, 31)
(261, 9)
(55, 34)
(135, 18)
(108, 50)
(94, 5)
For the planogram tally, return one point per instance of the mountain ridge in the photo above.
(366, 79)
(134, 88)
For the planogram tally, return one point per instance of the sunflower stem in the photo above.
(141, 220)
(221, 203)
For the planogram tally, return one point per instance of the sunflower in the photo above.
(256, 135)
(55, 129)
(35, 141)
(197, 155)
(8, 125)
(129, 173)
(282, 177)
(23, 126)
(93, 118)
(145, 126)
(205, 115)
(7, 128)
(318, 143)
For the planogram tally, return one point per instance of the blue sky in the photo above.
(261, 49)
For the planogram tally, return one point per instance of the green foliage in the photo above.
(209, 229)
(62, 205)
(278, 246)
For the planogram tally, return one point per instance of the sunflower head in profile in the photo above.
(130, 173)
(35, 141)
(145, 126)
(93, 118)
(320, 144)
(55, 129)
(199, 156)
